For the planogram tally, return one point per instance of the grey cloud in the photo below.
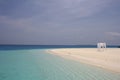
(57, 22)
(113, 33)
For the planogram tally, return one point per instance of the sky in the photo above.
(59, 22)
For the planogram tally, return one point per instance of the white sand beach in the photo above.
(108, 59)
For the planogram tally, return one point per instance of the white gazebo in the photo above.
(101, 46)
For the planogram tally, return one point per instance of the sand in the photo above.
(108, 59)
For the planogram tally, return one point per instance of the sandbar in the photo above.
(108, 59)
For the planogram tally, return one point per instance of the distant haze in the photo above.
(59, 22)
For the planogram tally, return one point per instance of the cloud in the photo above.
(113, 33)
(67, 11)
(84, 8)
(13, 22)
(55, 11)
(62, 20)
(75, 8)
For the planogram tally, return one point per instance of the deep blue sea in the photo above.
(30, 62)
(24, 47)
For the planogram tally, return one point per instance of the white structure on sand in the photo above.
(101, 46)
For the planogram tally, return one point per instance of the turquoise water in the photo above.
(39, 65)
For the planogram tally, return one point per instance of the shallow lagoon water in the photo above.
(37, 64)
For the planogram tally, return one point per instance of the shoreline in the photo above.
(108, 59)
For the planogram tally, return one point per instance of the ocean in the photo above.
(24, 47)
(30, 62)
